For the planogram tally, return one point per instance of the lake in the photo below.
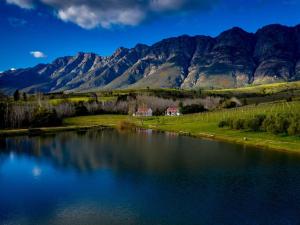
(145, 178)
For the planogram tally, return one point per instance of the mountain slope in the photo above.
(235, 58)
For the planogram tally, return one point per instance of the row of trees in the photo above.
(280, 123)
(18, 96)
(39, 110)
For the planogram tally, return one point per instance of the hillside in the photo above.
(233, 59)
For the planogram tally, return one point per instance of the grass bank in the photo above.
(206, 125)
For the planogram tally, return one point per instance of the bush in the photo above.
(194, 108)
(277, 124)
(223, 123)
(294, 127)
(46, 118)
(238, 124)
(282, 123)
(255, 123)
(80, 109)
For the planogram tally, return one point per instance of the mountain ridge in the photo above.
(235, 58)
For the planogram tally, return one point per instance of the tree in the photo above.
(180, 105)
(199, 92)
(95, 96)
(17, 95)
(81, 109)
(24, 96)
(193, 108)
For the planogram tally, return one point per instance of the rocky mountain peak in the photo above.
(232, 59)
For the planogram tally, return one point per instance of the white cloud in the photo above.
(38, 54)
(25, 4)
(89, 14)
(89, 18)
(13, 69)
(162, 5)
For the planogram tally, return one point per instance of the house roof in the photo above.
(173, 109)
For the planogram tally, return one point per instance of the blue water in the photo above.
(108, 177)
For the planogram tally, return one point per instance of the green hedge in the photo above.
(281, 123)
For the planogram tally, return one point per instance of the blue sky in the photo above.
(38, 31)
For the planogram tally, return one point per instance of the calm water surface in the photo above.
(108, 177)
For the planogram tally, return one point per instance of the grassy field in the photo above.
(206, 125)
(261, 89)
(253, 94)
(57, 101)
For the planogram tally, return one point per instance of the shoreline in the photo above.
(208, 136)
(217, 138)
(45, 130)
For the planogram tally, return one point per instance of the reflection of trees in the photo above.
(87, 151)
(2, 159)
(2, 147)
(142, 151)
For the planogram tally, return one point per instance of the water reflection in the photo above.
(146, 150)
(111, 177)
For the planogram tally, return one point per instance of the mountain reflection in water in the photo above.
(87, 151)
(144, 178)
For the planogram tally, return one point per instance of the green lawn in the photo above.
(206, 125)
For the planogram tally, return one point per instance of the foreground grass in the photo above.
(206, 125)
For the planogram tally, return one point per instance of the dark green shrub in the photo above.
(277, 124)
(223, 123)
(269, 125)
(80, 109)
(194, 108)
(282, 123)
(158, 112)
(238, 124)
(294, 126)
(255, 123)
(45, 118)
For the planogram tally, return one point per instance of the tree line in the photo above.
(25, 111)
(279, 124)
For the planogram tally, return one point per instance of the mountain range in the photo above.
(235, 58)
